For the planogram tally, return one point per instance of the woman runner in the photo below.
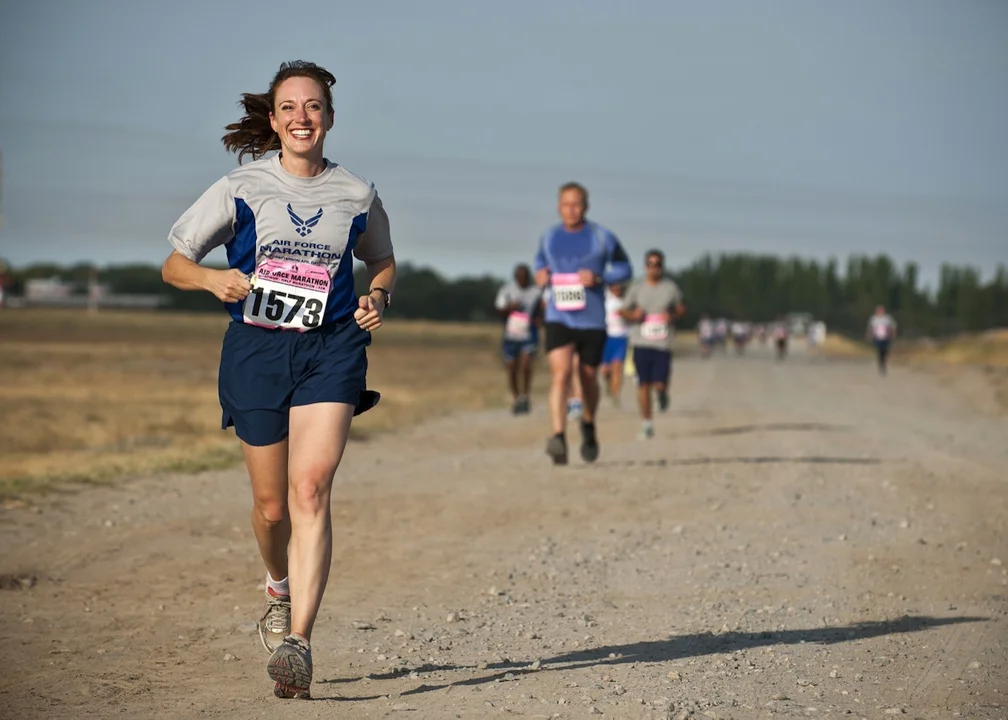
(293, 362)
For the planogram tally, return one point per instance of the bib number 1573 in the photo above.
(287, 295)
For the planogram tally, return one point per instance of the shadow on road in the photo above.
(671, 648)
(764, 427)
(745, 460)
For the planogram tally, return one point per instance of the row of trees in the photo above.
(752, 287)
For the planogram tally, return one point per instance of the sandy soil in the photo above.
(799, 539)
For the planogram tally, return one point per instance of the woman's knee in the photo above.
(271, 508)
(311, 489)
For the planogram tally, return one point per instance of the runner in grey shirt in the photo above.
(293, 367)
(652, 306)
(519, 304)
(881, 331)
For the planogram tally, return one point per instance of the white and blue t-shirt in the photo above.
(260, 211)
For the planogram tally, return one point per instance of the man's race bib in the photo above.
(654, 327)
(288, 295)
(568, 292)
(518, 327)
(881, 331)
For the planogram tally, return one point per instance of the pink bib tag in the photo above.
(518, 327)
(654, 327)
(288, 295)
(568, 292)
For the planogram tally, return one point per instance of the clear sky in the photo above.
(787, 126)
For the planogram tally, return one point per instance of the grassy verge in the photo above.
(92, 398)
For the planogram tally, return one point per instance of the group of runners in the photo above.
(579, 291)
(293, 363)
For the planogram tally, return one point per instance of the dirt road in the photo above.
(804, 539)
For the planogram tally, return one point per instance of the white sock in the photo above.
(279, 587)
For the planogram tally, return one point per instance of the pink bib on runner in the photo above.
(568, 292)
(654, 327)
(287, 295)
(518, 327)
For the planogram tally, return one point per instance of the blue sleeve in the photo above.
(619, 269)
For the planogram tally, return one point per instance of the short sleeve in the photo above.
(207, 224)
(375, 243)
(630, 301)
(501, 301)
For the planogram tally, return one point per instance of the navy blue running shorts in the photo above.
(653, 366)
(264, 372)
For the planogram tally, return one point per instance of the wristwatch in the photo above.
(386, 295)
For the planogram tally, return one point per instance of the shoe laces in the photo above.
(276, 617)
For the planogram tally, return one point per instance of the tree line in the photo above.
(752, 287)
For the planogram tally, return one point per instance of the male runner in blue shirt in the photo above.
(577, 259)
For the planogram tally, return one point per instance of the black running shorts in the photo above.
(588, 344)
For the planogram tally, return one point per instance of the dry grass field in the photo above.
(87, 398)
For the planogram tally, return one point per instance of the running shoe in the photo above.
(589, 443)
(290, 667)
(275, 623)
(573, 409)
(646, 431)
(556, 448)
(662, 400)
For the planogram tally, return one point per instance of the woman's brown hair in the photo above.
(253, 135)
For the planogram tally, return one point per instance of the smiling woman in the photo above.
(294, 361)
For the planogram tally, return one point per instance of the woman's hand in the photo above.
(369, 312)
(229, 286)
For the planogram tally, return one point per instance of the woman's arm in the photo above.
(185, 274)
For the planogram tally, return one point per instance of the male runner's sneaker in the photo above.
(275, 623)
(662, 400)
(290, 667)
(646, 431)
(573, 408)
(556, 448)
(589, 443)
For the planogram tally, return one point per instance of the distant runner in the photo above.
(721, 331)
(519, 303)
(741, 332)
(705, 334)
(576, 258)
(652, 306)
(779, 333)
(617, 341)
(881, 331)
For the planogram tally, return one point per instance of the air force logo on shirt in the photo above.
(303, 227)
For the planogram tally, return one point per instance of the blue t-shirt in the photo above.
(594, 248)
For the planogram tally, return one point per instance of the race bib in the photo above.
(616, 325)
(518, 327)
(568, 292)
(654, 327)
(288, 295)
(881, 331)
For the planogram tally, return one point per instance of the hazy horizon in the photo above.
(796, 128)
